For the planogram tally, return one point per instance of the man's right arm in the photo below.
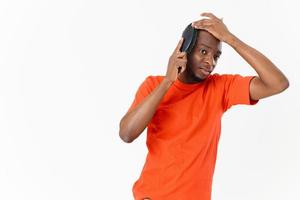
(137, 119)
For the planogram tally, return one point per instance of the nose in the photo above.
(210, 61)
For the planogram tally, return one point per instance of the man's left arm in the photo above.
(270, 79)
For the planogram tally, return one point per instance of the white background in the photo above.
(69, 71)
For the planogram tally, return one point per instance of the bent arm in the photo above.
(136, 120)
(270, 79)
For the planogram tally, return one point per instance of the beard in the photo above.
(192, 76)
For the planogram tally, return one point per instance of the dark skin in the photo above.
(203, 58)
(197, 66)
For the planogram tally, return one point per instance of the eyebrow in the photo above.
(218, 51)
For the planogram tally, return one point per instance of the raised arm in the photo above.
(270, 79)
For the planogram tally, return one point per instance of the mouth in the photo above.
(205, 71)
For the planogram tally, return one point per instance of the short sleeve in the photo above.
(143, 91)
(237, 90)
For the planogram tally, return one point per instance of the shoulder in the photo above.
(217, 79)
(223, 78)
(217, 76)
(153, 80)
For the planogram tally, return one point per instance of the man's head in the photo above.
(203, 57)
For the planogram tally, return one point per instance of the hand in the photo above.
(213, 25)
(177, 63)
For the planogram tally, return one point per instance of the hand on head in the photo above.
(214, 25)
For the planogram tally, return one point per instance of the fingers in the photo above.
(203, 21)
(202, 24)
(180, 54)
(210, 15)
(180, 59)
(181, 62)
(207, 22)
(181, 68)
(179, 45)
(177, 63)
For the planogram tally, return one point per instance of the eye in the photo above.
(203, 51)
(216, 57)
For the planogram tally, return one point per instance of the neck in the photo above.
(188, 77)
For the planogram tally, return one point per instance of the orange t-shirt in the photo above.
(183, 135)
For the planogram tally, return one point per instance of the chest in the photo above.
(185, 112)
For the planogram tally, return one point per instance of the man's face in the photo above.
(204, 56)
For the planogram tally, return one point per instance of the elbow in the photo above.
(125, 137)
(279, 86)
(284, 84)
(124, 134)
(287, 84)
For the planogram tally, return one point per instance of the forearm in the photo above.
(135, 121)
(270, 75)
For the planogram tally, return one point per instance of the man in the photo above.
(182, 112)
